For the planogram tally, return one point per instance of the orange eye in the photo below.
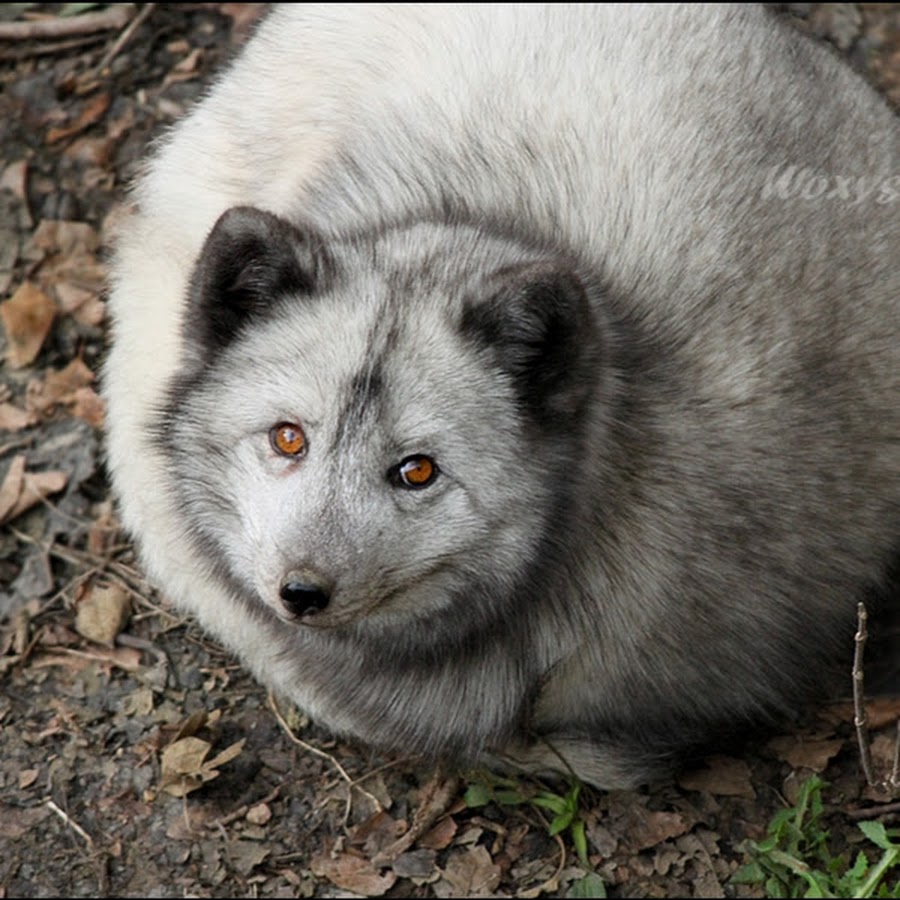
(416, 472)
(288, 439)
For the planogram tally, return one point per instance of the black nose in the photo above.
(304, 598)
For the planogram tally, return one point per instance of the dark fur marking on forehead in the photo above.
(363, 393)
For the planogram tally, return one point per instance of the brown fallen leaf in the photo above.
(195, 721)
(647, 828)
(66, 237)
(721, 775)
(21, 490)
(185, 768)
(28, 777)
(79, 302)
(12, 418)
(58, 387)
(16, 821)
(800, 753)
(27, 317)
(102, 613)
(880, 711)
(245, 856)
(11, 488)
(92, 111)
(469, 874)
(352, 873)
(14, 178)
(89, 406)
(418, 865)
(440, 836)
(104, 530)
(377, 832)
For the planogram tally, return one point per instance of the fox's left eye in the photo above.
(288, 439)
(414, 472)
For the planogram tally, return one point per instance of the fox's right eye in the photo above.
(414, 472)
(287, 439)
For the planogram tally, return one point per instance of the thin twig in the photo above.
(873, 812)
(321, 753)
(124, 37)
(860, 718)
(114, 16)
(242, 811)
(71, 823)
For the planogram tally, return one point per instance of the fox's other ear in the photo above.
(537, 323)
(249, 260)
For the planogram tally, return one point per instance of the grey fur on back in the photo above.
(630, 277)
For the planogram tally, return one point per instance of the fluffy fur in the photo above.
(573, 256)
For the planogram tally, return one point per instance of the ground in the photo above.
(140, 760)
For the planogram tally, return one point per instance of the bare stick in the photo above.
(860, 719)
(871, 812)
(273, 705)
(115, 16)
(71, 823)
(125, 37)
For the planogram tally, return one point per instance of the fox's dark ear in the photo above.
(539, 326)
(249, 260)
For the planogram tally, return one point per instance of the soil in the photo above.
(137, 758)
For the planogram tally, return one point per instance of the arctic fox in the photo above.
(519, 383)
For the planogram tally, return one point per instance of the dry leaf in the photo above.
(880, 711)
(440, 836)
(66, 237)
(104, 530)
(92, 111)
(102, 613)
(58, 387)
(14, 419)
(810, 754)
(89, 406)
(139, 703)
(27, 317)
(182, 762)
(190, 821)
(195, 721)
(721, 775)
(377, 832)
(416, 864)
(82, 303)
(14, 178)
(28, 777)
(21, 490)
(647, 828)
(228, 754)
(245, 856)
(183, 766)
(469, 874)
(16, 821)
(352, 873)
(11, 488)
(882, 748)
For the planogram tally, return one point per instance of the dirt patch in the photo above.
(138, 759)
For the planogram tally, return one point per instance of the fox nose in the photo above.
(304, 594)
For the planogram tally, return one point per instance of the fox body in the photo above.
(518, 382)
